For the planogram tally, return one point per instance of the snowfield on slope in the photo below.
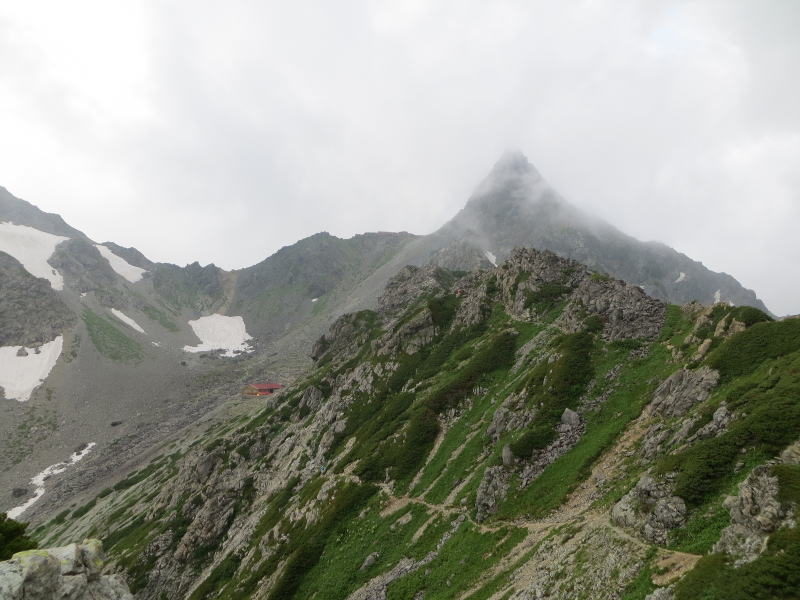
(32, 248)
(20, 375)
(490, 257)
(121, 266)
(218, 332)
(127, 320)
(38, 480)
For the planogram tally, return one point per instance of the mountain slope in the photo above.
(129, 366)
(534, 430)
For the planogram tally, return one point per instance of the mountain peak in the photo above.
(514, 162)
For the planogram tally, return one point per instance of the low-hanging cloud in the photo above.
(195, 131)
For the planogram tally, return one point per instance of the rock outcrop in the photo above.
(755, 513)
(45, 314)
(492, 490)
(650, 509)
(682, 390)
(72, 572)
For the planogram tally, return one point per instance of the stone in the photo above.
(369, 561)
(508, 456)
(570, 417)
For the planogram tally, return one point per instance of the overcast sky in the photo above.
(219, 132)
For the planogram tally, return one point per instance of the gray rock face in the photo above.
(682, 390)
(491, 492)
(716, 426)
(461, 256)
(755, 513)
(70, 572)
(312, 398)
(410, 336)
(83, 267)
(408, 285)
(664, 593)
(627, 311)
(30, 310)
(344, 338)
(650, 509)
(512, 415)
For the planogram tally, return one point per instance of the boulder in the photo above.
(69, 572)
(369, 561)
(570, 417)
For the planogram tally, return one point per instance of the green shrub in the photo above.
(160, 316)
(79, 512)
(546, 297)
(13, 538)
(749, 315)
(443, 309)
(311, 543)
(744, 352)
(768, 418)
(789, 481)
(109, 340)
(535, 438)
(496, 354)
(404, 454)
(566, 380)
(221, 575)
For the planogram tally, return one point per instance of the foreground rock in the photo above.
(70, 572)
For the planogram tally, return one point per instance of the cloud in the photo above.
(175, 127)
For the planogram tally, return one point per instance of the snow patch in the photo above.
(490, 257)
(83, 294)
(314, 299)
(127, 320)
(122, 267)
(38, 480)
(717, 296)
(681, 277)
(20, 375)
(218, 332)
(156, 344)
(32, 248)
